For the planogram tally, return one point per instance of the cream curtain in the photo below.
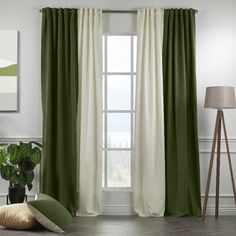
(149, 176)
(89, 120)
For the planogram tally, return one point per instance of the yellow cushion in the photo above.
(17, 216)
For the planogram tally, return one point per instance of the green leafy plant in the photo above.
(17, 162)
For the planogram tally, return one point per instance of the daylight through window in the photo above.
(119, 72)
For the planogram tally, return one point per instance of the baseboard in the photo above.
(122, 210)
(227, 210)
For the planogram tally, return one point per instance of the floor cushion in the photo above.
(17, 216)
(50, 213)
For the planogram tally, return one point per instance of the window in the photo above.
(119, 71)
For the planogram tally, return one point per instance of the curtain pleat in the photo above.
(180, 108)
(59, 69)
(149, 172)
(89, 119)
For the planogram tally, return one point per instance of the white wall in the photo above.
(216, 55)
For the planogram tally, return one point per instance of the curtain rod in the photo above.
(113, 11)
(117, 11)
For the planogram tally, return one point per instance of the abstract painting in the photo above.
(8, 70)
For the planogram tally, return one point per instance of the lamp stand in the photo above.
(220, 121)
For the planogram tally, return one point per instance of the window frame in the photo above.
(105, 113)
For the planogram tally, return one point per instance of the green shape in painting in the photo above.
(9, 70)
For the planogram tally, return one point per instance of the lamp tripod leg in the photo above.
(229, 159)
(218, 166)
(210, 165)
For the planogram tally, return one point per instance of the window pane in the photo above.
(118, 53)
(135, 53)
(119, 169)
(118, 92)
(118, 130)
(117, 97)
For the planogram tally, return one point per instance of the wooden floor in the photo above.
(136, 226)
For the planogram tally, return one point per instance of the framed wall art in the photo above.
(8, 70)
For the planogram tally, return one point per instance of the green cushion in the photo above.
(50, 213)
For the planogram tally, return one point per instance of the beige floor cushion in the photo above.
(17, 216)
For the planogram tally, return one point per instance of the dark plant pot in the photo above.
(16, 194)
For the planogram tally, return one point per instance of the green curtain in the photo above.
(180, 111)
(59, 64)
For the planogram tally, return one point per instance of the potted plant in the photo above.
(17, 163)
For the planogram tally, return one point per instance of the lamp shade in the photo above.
(220, 97)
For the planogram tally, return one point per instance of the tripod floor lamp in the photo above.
(220, 97)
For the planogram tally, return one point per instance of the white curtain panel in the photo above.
(149, 176)
(89, 120)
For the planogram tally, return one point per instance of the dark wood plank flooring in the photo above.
(137, 226)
